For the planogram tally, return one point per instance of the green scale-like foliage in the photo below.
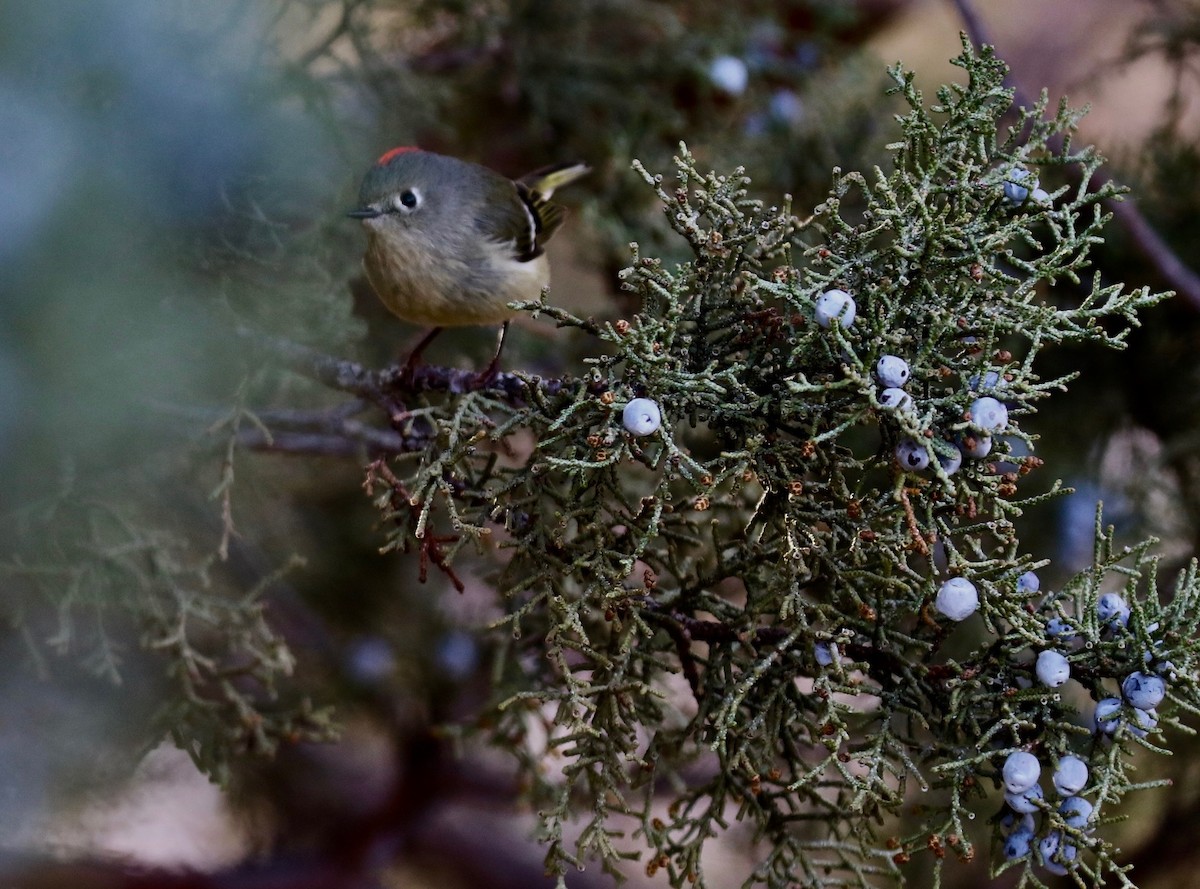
(667, 595)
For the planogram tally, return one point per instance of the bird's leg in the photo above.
(489, 373)
(414, 357)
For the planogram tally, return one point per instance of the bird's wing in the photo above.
(530, 218)
(544, 219)
(535, 190)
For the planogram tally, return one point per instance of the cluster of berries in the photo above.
(988, 416)
(1134, 711)
(1141, 691)
(1024, 797)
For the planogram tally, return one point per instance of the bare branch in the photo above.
(385, 387)
(329, 444)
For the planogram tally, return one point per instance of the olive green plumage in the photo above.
(451, 242)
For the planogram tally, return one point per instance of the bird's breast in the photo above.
(424, 283)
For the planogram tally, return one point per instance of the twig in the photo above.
(429, 544)
(385, 387)
(914, 529)
(683, 648)
(1145, 239)
(330, 432)
(327, 444)
(685, 629)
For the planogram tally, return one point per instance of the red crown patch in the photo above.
(388, 155)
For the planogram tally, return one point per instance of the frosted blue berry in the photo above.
(1052, 669)
(951, 460)
(729, 74)
(1025, 802)
(825, 653)
(1051, 847)
(1019, 843)
(1040, 195)
(912, 455)
(1071, 775)
(957, 598)
(1057, 628)
(896, 399)
(1147, 721)
(892, 371)
(641, 417)
(1021, 771)
(1112, 609)
(992, 382)
(988, 413)
(1075, 811)
(834, 304)
(1144, 690)
(977, 446)
(1028, 583)
(1010, 821)
(1163, 667)
(1107, 716)
(1017, 185)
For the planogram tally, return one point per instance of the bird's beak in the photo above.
(365, 213)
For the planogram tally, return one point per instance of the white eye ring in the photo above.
(406, 201)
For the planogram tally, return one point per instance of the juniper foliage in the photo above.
(731, 619)
(131, 599)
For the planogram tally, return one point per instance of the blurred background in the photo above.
(174, 172)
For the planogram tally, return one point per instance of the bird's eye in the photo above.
(407, 200)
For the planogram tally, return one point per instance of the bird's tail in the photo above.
(545, 180)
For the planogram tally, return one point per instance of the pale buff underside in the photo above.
(421, 286)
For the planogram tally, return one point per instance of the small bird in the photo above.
(453, 243)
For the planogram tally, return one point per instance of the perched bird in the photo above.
(451, 242)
